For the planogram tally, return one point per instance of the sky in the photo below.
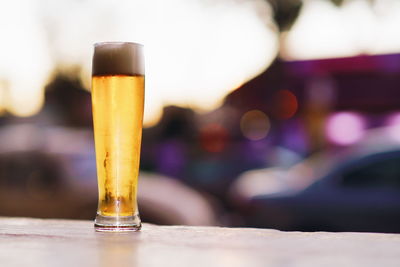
(323, 30)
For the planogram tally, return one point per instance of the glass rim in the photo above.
(117, 43)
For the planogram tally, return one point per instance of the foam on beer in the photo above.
(118, 58)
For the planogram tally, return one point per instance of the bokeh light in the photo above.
(255, 125)
(287, 104)
(345, 128)
(393, 119)
(393, 123)
(214, 137)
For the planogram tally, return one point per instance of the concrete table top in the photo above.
(43, 242)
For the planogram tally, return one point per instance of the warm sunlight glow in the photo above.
(196, 51)
(25, 62)
(319, 32)
(323, 30)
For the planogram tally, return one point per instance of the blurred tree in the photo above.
(68, 101)
(287, 11)
(337, 2)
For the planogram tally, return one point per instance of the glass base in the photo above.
(117, 224)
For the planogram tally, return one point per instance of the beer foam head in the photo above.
(118, 58)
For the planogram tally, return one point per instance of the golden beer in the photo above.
(118, 102)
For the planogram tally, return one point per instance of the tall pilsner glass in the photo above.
(117, 102)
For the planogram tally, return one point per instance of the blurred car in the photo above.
(354, 189)
(50, 172)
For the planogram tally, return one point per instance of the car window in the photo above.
(381, 171)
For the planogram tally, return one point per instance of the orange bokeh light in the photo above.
(255, 125)
(287, 104)
(214, 138)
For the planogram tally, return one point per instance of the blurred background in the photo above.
(259, 113)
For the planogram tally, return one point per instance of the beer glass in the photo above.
(117, 104)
